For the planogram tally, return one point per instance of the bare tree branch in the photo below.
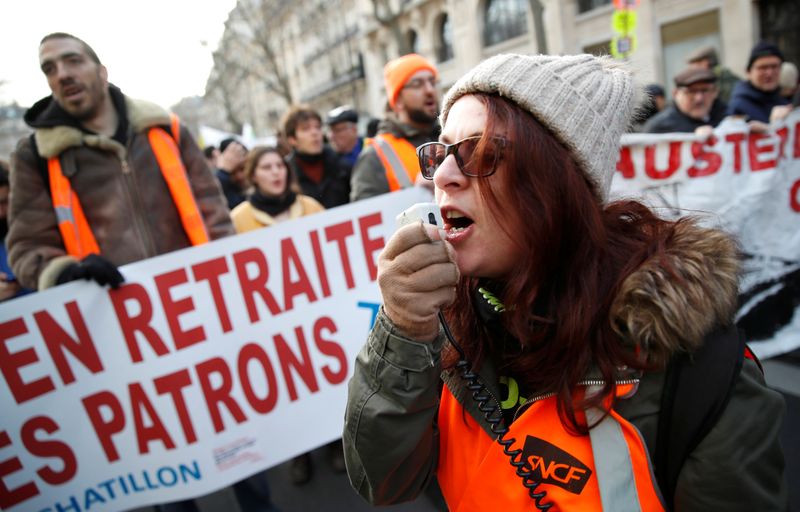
(264, 36)
(222, 83)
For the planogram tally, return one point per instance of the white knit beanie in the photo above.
(585, 101)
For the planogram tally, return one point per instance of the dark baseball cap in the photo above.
(692, 76)
(340, 115)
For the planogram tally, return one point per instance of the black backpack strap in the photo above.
(697, 388)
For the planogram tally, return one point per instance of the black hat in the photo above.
(225, 143)
(654, 90)
(691, 76)
(340, 115)
(763, 49)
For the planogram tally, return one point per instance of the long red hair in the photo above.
(577, 254)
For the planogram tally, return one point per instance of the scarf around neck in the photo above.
(273, 205)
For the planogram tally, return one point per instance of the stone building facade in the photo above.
(333, 52)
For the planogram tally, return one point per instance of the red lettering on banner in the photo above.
(796, 150)
(673, 162)
(175, 308)
(10, 497)
(756, 149)
(173, 384)
(49, 448)
(142, 406)
(57, 340)
(211, 271)
(736, 139)
(105, 429)
(253, 352)
(338, 233)
(330, 348)
(625, 164)
(702, 154)
(256, 285)
(783, 136)
(291, 260)
(11, 362)
(130, 325)
(215, 397)
(302, 366)
(217, 381)
(320, 262)
(371, 245)
(794, 196)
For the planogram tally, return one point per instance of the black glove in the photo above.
(94, 267)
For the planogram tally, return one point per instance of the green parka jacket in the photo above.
(391, 437)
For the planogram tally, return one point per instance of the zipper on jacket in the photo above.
(138, 208)
(585, 383)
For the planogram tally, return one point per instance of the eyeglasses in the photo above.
(702, 91)
(418, 83)
(432, 154)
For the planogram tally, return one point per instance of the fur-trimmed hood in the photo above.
(670, 303)
(55, 130)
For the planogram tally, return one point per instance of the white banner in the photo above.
(748, 184)
(212, 363)
(208, 365)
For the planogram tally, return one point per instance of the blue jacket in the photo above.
(753, 103)
(233, 193)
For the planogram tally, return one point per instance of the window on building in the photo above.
(504, 19)
(588, 5)
(444, 39)
(413, 41)
(681, 37)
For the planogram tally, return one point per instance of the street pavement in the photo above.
(328, 491)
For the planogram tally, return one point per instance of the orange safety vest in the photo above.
(608, 469)
(79, 240)
(399, 159)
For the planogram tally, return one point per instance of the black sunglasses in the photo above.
(432, 154)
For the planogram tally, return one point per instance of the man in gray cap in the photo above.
(706, 58)
(691, 108)
(343, 133)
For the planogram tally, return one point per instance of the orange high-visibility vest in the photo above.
(399, 159)
(79, 241)
(608, 469)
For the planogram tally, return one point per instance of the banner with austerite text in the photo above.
(747, 183)
(208, 365)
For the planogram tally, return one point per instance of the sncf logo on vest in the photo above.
(552, 465)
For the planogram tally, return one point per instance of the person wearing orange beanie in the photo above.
(389, 162)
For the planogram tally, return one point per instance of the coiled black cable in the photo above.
(494, 417)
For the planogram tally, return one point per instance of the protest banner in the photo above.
(215, 362)
(746, 183)
(208, 365)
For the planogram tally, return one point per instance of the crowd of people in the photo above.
(705, 92)
(105, 180)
